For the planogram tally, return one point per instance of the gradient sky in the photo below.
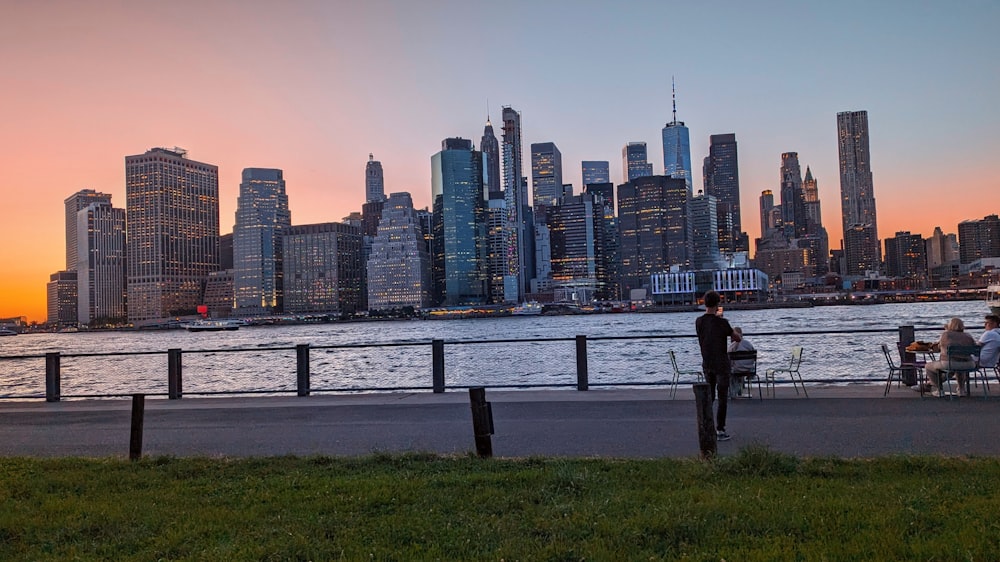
(313, 86)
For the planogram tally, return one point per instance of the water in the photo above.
(209, 368)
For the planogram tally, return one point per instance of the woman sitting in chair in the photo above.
(937, 371)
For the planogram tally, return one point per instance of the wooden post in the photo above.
(482, 421)
(706, 421)
(302, 368)
(437, 361)
(906, 337)
(52, 377)
(581, 363)
(135, 439)
(174, 386)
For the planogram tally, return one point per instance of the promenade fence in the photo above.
(308, 369)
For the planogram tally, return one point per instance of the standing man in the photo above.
(713, 331)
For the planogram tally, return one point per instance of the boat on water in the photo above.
(4, 331)
(993, 298)
(531, 308)
(213, 325)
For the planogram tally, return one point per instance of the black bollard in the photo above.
(582, 382)
(302, 368)
(52, 377)
(174, 377)
(482, 421)
(706, 421)
(437, 365)
(135, 439)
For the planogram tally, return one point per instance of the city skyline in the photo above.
(322, 87)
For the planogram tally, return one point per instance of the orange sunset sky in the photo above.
(313, 87)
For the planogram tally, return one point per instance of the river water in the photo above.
(210, 365)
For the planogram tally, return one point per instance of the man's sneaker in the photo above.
(722, 436)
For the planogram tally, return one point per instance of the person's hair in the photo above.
(712, 299)
(738, 330)
(993, 318)
(955, 325)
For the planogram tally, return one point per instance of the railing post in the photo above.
(482, 421)
(174, 387)
(581, 363)
(302, 368)
(707, 439)
(135, 439)
(906, 337)
(437, 359)
(52, 377)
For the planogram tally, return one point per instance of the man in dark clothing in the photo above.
(713, 332)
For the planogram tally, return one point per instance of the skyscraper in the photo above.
(635, 161)
(979, 239)
(61, 292)
(703, 216)
(399, 267)
(905, 256)
(576, 233)
(595, 171)
(857, 194)
(79, 200)
(546, 175)
(374, 182)
(262, 216)
(100, 266)
(172, 215)
(677, 147)
(722, 181)
(323, 270)
(491, 154)
(655, 232)
(766, 213)
(519, 227)
(459, 241)
(793, 206)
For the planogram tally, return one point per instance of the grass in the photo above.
(755, 505)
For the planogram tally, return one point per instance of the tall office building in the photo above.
(262, 216)
(595, 171)
(374, 182)
(491, 155)
(323, 270)
(546, 175)
(654, 227)
(857, 194)
(100, 266)
(793, 205)
(74, 203)
(767, 224)
(399, 273)
(496, 236)
(722, 181)
(608, 271)
(635, 161)
(61, 294)
(979, 239)
(905, 256)
(703, 217)
(814, 222)
(172, 215)
(519, 221)
(677, 147)
(459, 240)
(575, 231)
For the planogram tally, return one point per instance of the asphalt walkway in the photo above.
(853, 421)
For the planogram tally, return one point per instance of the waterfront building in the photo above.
(546, 176)
(219, 293)
(172, 216)
(61, 294)
(496, 241)
(374, 180)
(654, 227)
(576, 232)
(857, 194)
(490, 147)
(780, 262)
(519, 221)
(608, 271)
(684, 287)
(100, 263)
(262, 216)
(635, 162)
(399, 267)
(677, 147)
(322, 264)
(73, 204)
(460, 249)
(905, 256)
(979, 239)
(793, 205)
(703, 210)
(722, 180)
(595, 171)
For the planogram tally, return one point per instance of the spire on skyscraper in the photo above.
(809, 175)
(673, 95)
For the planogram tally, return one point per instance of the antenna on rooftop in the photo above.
(673, 94)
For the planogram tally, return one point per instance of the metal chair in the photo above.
(678, 373)
(963, 353)
(893, 370)
(792, 370)
(750, 359)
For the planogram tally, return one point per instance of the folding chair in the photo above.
(792, 370)
(678, 373)
(961, 353)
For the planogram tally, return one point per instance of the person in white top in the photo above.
(742, 368)
(990, 340)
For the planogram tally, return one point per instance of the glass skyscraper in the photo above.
(722, 181)
(677, 150)
(262, 216)
(857, 194)
(172, 215)
(635, 162)
(654, 227)
(546, 175)
(323, 270)
(595, 171)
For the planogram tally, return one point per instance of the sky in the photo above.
(313, 87)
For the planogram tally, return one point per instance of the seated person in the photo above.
(990, 340)
(937, 371)
(743, 368)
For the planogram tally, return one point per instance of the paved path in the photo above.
(843, 422)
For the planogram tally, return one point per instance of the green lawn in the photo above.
(756, 505)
